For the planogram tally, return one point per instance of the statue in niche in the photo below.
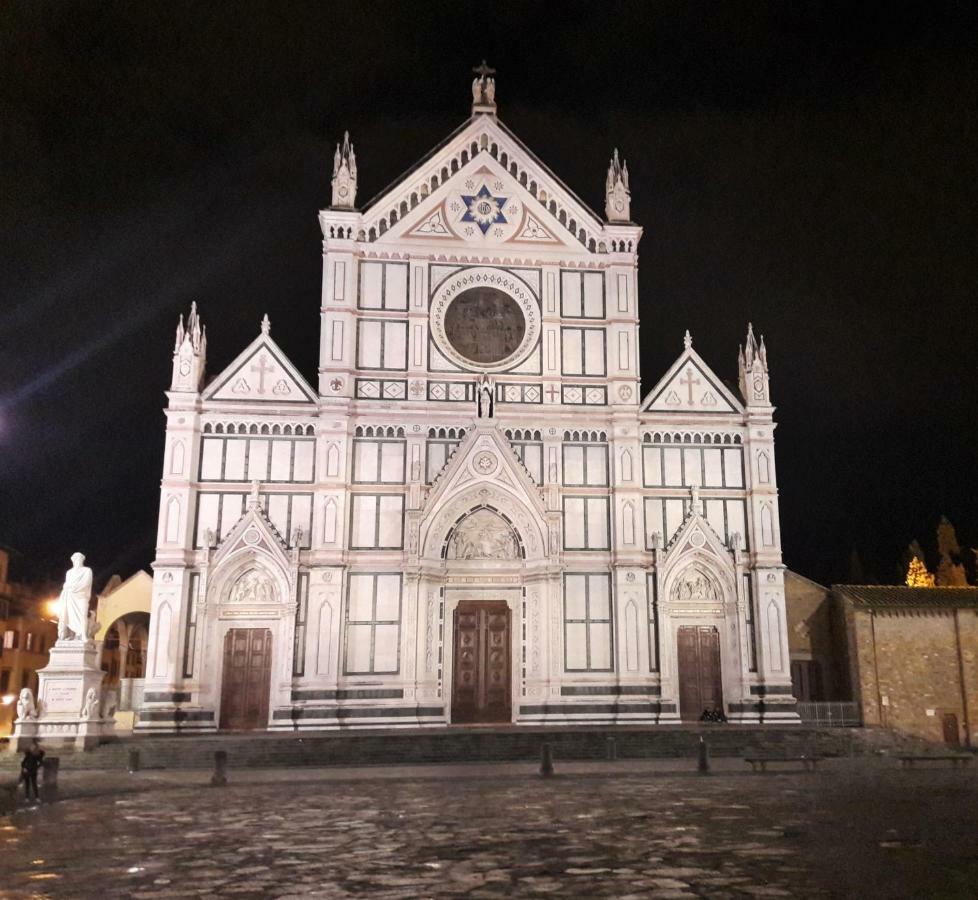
(694, 586)
(483, 535)
(484, 397)
(252, 587)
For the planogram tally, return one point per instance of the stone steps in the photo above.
(416, 746)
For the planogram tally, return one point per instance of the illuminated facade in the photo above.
(473, 515)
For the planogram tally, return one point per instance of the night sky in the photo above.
(807, 166)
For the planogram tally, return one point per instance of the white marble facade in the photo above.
(477, 432)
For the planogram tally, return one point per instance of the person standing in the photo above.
(33, 757)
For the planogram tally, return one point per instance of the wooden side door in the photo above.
(700, 683)
(246, 680)
(952, 736)
(481, 668)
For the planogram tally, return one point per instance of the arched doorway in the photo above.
(697, 598)
(700, 682)
(482, 634)
(246, 679)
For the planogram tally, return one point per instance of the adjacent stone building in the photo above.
(472, 513)
(812, 641)
(911, 656)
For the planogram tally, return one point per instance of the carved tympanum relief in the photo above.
(483, 535)
(252, 587)
(695, 586)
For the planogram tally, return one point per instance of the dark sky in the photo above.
(811, 167)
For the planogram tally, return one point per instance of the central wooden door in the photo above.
(481, 673)
(700, 686)
(247, 679)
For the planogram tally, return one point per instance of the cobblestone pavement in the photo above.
(856, 829)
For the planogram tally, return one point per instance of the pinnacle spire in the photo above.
(266, 324)
(752, 366)
(193, 324)
(687, 340)
(189, 352)
(344, 181)
(617, 194)
(181, 332)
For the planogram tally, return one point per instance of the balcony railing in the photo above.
(829, 713)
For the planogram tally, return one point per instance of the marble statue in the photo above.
(90, 709)
(26, 708)
(694, 587)
(483, 535)
(252, 588)
(484, 397)
(74, 601)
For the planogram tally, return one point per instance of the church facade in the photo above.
(473, 515)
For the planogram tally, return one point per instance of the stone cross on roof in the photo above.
(484, 89)
(482, 70)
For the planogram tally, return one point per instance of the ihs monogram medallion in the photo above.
(484, 209)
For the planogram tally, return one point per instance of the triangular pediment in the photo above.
(690, 386)
(262, 373)
(484, 189)
(697, 535)
(486, 457)
(253, 533)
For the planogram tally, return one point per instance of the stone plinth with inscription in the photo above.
(69, 700)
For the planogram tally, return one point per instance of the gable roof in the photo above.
(478, 120)
(690, 385)
(261, 373)
(900, 597)
(483, 138)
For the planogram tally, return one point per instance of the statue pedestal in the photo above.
(65, 715)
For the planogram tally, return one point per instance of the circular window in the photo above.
(485, 318)
(484, 325)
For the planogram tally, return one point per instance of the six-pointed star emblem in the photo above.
(484, 209)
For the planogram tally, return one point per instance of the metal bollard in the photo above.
(703, 766)
(612, 750)
(220, 776)
(8, 797)
(49, 783)
(546, 761)
(133, 761)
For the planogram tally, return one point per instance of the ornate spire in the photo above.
(484, 90)
(617, 194)
(752, 365)
(344, 180)
(189, 353)
(266, 325)
(193, 325)
(688, 340)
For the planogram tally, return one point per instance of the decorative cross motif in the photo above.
(262, 369)
(688, 382)
(552, 393)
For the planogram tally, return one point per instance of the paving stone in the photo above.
(595, 835)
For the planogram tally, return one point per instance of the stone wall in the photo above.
(813, 634)
(907, 668)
